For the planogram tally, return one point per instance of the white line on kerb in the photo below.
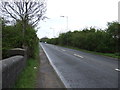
(78, 55)
(117, 69)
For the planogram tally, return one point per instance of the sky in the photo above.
(81, 14)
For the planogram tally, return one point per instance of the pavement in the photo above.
(78, 69)
(47, 77)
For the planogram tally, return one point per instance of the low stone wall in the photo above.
(11, 68)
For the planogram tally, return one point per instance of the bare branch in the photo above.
(10, 14)
(32, 12)
(17, 4)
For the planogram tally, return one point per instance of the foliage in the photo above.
(12, 37)
(27, 79)
(105, 41)
(31, 40)
(44, 39)
(25, 15)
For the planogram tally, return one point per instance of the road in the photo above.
(82, 70)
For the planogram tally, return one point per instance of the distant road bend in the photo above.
(82, 70)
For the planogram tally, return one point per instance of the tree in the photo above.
(114, 29)
(26, 11)
(44, 39)
(11, 38)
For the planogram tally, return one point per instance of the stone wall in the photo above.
(12, 67)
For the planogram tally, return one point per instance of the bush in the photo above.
(12, 37)
(92, 39)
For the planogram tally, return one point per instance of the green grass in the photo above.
(113, 55)
(28, 77)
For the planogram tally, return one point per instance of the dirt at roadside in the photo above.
(47, 78)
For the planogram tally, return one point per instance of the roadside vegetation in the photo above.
(102, 42)
(12, 38)
(28, 77)
(113, 55)
(19, 20)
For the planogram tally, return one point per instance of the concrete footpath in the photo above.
(47, 77)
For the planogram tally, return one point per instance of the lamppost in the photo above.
(53, 32)
(66, 27)
(66, 21)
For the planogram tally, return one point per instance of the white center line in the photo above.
(117, 69)
(63, 50)
(78, 55)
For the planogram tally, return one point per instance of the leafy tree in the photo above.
(114, 29)
(26, 12)
(106, 41)
(12, 38)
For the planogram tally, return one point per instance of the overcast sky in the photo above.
(81, 14)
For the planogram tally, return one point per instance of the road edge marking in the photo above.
(58, 73)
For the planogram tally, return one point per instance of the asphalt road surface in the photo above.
(82, 70)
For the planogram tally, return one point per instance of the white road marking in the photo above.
(117, 69)
(78, 55)
(57, 71)
(63, 50)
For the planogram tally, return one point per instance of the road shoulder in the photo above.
(47, 78)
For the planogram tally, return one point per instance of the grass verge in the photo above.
(28, 77)
(113, 55)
